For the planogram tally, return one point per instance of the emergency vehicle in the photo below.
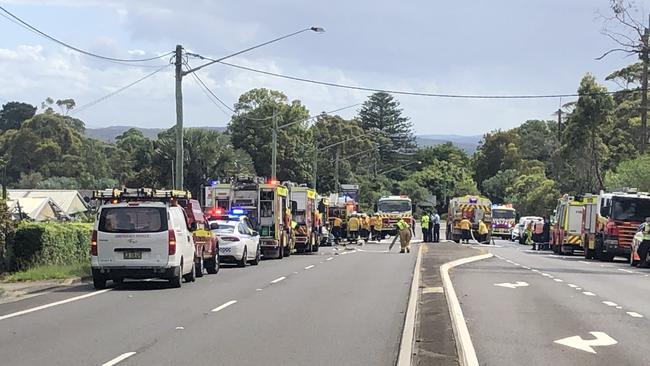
(567, 225)
(616, 217)
(391, 209)
(341, 206)
(323, 211)
(503, 220)
(275, 220)
(218, 197)
(306, 239)
(474, 208)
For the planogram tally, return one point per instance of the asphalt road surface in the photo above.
(319, 309)
(538, 308)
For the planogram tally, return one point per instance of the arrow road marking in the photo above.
(601, 339)
(512, 285)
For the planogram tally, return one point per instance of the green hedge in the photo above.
(49, 244)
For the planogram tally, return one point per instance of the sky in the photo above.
(505, 47)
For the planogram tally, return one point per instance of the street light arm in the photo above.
(213, 61)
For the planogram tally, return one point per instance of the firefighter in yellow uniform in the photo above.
(404, 236)
(378, 228)
(482, 231)
(336, 227)
(365, 227)
(465, 229)
(353, 227)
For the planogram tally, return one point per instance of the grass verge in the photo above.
(50, 272)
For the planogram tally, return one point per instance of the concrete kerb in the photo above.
(464, 345)
(405, 355)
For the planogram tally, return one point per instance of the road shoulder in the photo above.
(434, 340)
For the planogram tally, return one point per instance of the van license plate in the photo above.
(132, 255)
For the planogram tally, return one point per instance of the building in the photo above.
(63, 203)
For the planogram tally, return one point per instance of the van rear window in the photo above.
(133, 220)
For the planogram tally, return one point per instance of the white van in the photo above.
(141, 240)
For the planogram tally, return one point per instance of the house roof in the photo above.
(69, 201)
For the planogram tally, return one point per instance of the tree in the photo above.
(66, 105)
(533, 194)
(499, 150)
(632, 173)
(443, 152)
(445, 180)
(496, 187)
(251, 130)
(382, 112)
(13, 114)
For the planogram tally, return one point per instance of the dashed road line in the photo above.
(610, 303)
(558, 280)
(278, 279)
(572, 285)
(634, 314)
(329, 259)
(525, 267)
(585, 262)
(626, 270)
(118, 359)
(587, 293)
(309, 267)
(223, 306)
(42, 307)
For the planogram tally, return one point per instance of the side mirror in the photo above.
(294, 207)
(193, 226)
(255, 233)
(214, 226)
(604, 211)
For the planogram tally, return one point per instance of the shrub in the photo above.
(49, 244)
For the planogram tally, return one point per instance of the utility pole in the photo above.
(315, 160)
(559, 125)
(178, 181)
(336, 169)
(274, 154)
(644, 89)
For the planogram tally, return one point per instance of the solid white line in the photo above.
(634, 314)
(558, 280)
(585, 262)
(278, 279)
(625, 270)
(309, 267)
(464, 345)
(408, 332)
(221, 307)
(329, 259)
(31, 310)
(526, 267)
(118, 359)
(588, 293)
(610, 303)
(572, 285)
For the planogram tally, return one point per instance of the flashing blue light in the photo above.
(214, 182)
(237, 211)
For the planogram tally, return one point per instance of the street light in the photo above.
(179, 91)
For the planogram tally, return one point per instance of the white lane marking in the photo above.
(547, 275)
(526, 267)
(634, 314)
(180, 328)
(432, 290)
(601, 339)
(512, 285)
(223, 306)
(535, 270)
(558, 280)
(76, 298)
(329, 259)
(295, 272)
(625, 270)
(585, 262)
(118, 359)
(309, 267)
(610, 303)
(509, 261)
(579, 288)
(258, 289)
(498, 256)
(408, 333)
(619, 307)
(278, 279)
(464, 345)
(516, 264)
(572, 285)
(588, 293)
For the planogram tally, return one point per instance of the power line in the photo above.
(207, 91)
(16, 20)
(88, 105)
(422, 94)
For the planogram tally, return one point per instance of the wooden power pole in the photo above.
(178, 171)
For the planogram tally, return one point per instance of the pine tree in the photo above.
(381, 112)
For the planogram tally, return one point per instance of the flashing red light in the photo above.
(273, 182)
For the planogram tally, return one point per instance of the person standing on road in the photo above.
(353, 227)
(424, 223)
(436, 227)
(336, 227)
(465, 226)
(378, 228)
(404, 230)
(482, 231)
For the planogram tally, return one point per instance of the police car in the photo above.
(239, 242)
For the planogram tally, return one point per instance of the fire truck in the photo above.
(323, 211)
(567, 225)
(474, 208)
(218, 197)
(503, 220)
(341, 206)
(306, 239)
(391, 209)
(616, 216)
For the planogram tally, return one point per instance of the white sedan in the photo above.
(238, 242)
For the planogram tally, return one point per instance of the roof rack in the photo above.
(143, 194)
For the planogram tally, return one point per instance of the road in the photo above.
(520, 302)
(319, 309)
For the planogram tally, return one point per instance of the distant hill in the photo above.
(109, 134)
(467, 143)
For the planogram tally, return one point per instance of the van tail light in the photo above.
(229, 238)
(171, 238)
(93, 244)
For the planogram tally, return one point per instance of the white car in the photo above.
(141, 240)
(238, 242)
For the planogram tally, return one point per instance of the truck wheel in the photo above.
(99, 283)
(175, 281)
(191, 276)
(212, 265)
(256, 260)
(244, 257)
(199, 267)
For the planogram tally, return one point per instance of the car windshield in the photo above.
(631, 209)
(223, 228)
(394, 206)
(503, 214)
(133, 220)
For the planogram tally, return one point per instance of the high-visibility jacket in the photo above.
(337, 222)
(403, 225)
(425, 221)
(482, 228)
(465, 224)
(646, 232)
(293, 224)
(365, 223)
(372, 220)
(353, 224)
(378, 223)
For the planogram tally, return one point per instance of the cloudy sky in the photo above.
(459, 47)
